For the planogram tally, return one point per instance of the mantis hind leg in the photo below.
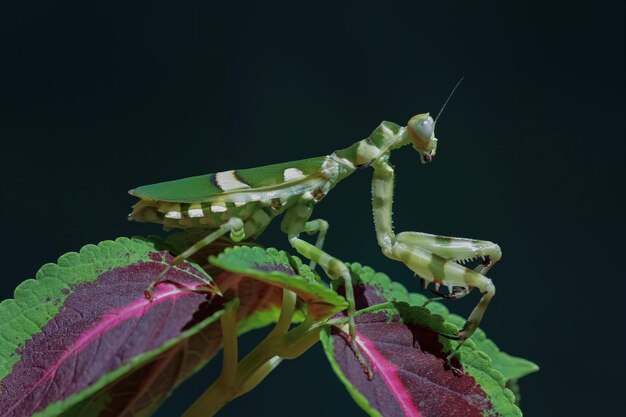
(234, 226)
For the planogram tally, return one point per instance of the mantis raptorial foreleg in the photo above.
(455, 248)
(433, 257)
(437, 269)
(234, 226)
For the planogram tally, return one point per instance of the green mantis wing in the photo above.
(252, 181)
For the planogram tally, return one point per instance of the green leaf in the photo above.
(37, 300)
(279, 269)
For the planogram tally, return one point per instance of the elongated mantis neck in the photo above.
(386, 137)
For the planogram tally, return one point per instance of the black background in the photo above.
(99, 98)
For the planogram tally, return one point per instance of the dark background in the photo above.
(96, 99)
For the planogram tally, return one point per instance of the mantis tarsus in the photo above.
(242, 203)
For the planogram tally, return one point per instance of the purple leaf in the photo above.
(145, 388)
(102, 327)
(411, 376)
(404, 348)
(82, 339)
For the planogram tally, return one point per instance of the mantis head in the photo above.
(421, 130)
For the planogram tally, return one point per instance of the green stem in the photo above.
(255, 367)
(229, 341)
(260, 375)
(295, 348)
(288, 307)
(219, 394)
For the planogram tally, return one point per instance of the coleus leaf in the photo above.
(259, 306)
(377, 287)
(257, 277)
(280, 270)
(404, 348)
(84, 323)
(58, 309)
(260, 303)
(141, 391)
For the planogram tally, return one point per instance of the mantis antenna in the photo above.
(448, 99)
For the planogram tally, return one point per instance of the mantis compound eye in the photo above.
(421, 130)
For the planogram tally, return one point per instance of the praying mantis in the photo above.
(241, 203)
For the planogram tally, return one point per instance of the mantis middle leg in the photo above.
(320, 227)
(295, 222)
(433, 257)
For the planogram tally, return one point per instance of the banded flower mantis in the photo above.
(241, 203)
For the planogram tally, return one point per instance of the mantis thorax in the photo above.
(388, 136)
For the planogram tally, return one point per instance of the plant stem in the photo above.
(260, 375)
(220, 393)
(288, 307)
(252, 369)
(229, 341)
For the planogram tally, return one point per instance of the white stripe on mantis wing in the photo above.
(228, 181)
(282, 191)
(292, 174)
(295, 186)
